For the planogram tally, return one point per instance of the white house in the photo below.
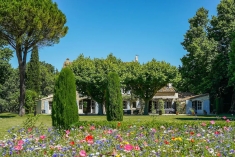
(199, 103)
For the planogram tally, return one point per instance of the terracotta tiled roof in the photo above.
(166, 89)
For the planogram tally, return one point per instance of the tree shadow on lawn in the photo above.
(203, 118)
(9, 115)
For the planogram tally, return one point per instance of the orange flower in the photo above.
(191, 133)
(118, 124)
(192, 140)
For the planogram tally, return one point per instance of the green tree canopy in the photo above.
(197, 63)
(145, 80)
(91, 76)
(26, 23)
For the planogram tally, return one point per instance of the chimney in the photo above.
(136, 58)
(169, 85)
(66, 63)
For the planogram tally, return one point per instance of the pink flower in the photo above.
(18, 147)
(212, 122)
(227, 120)
(137, 148)
(198, 135)
(128, 147)
(110, 131)
(226, 128)
(82, 153)
(20, 142)
(67, 132)
(92, 128)
(81, 127)
(90, 141)
(42, 137)
(203, 124)
(224, 117)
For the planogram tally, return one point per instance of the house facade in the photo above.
(130, 104)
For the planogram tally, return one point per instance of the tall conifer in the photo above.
(64, 108)
(114, 106)
(33, 73)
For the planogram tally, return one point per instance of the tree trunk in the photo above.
(22, 67)
(22, 89)
(100, 111)
(146, 107)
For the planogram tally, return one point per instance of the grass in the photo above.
(8, 120)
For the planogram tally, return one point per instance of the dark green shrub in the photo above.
(30, 101)
(114, 107)
(64, 108)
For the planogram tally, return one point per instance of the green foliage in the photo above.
(161, 106)
(91, 76)
(197, 63)
(145, 80)
(8, 81)
(114, 107)
(222, 26)
(177, 106)
(30, 101)
(26, 23)
(33, 72)
(30, 121)
(64, 108)
(231, 67)
(47, 78)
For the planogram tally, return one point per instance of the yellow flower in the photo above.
(118, 155)
(125, 142)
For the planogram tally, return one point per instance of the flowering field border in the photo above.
(143, 138)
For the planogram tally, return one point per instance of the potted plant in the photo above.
(161, 107)
(192, 112)
(177, 106)
(85, 107)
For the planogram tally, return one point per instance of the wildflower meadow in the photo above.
(102, 138)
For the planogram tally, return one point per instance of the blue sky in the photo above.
(147, 28)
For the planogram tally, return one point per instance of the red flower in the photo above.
(217, 132)
(72, 143)
(191, 133)
(89, 138)
(166, 142)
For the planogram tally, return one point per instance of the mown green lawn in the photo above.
(9, 120)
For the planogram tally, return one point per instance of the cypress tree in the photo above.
(114, 106)
(33, 73)
(64, 108)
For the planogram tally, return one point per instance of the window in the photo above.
(168, 104)
(134, 105)
(124, 105)
(155, 104)
(80, 104)
(197, 105)
(50, 105)
(92, 105)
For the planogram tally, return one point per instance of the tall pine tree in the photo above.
(33, 72)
